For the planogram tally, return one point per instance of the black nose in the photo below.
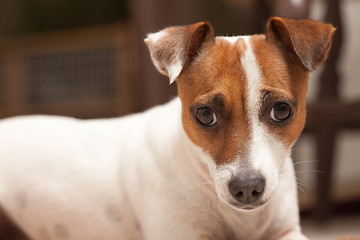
(247, 189)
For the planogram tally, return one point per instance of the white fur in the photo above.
(174, 70)
(231, 39)
(154, 37)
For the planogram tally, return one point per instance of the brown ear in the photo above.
(309, 40)
(173, 48)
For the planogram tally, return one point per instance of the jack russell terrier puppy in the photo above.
(212, 164)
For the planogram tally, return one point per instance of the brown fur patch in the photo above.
(217, 72)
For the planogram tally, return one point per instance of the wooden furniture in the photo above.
(84, 73)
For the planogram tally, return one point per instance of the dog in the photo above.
(214, 163)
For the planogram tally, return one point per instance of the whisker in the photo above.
(221, 203)
(309, 170)
(302, 183)
(302, 190)
(212, 195)
(301, 162)
(299, 181)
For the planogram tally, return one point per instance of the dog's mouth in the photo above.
(252, 206)
(246, 207)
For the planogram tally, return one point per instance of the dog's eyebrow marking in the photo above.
(217, 99)
(61, 231)
(267, 96)
(274, 92)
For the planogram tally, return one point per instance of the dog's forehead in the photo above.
(224, 65)
(216, 68)
(257, 56)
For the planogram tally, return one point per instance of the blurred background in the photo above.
(87, 59)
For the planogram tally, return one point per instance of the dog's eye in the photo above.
(206, 116)
(280, 112)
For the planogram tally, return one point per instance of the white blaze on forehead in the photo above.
(232, 39)
(253, 77)
(259, 146)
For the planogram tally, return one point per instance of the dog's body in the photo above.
(213, 165)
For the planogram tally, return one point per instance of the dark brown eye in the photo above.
(206, 116)
(280, 112)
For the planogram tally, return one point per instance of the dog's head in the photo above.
(243, 98)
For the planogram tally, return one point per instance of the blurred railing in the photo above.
(84, 73)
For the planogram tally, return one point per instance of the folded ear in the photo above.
(173, 48)
(309, 40)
